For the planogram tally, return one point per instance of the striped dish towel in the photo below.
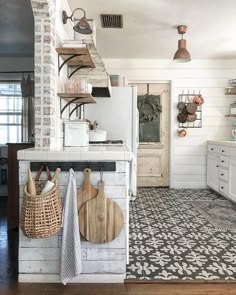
(71, 257)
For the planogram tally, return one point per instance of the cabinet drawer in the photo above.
(224, 174)
(224, 187)
(224, 161)
(213, 148)
(224, 150)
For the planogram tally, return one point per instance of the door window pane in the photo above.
(149, 106)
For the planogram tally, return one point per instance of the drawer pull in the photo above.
(222, 174)
(223, 151)
(212, 149)
(222, 187)
(217, 166)
(222, 161)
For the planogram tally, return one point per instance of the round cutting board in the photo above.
(86, 192)
(103, 218)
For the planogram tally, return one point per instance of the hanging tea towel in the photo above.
(71, 257)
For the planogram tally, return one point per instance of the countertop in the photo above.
(90, 153)
(226, 143)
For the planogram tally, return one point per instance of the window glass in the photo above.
(10, 112)
(149, 106)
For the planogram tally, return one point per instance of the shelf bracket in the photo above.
(66, 60)
(72, 101)
(77, 69)
(75, 108)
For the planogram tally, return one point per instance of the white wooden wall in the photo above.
(188, 155)
(39, 259)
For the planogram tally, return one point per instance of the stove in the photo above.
(107, 142)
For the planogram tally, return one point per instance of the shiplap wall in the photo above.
(187, 155)
(39, 259)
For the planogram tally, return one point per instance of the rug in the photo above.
(220, 213)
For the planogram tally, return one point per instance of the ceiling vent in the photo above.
(112, 20)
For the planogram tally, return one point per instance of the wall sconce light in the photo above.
(182, 54)
(82, 27)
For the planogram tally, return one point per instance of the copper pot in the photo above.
(198, 100)
(182, 117)
(191, 108)
(181, 105)
(182, 132)
(192, 117)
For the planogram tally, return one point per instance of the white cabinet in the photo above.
(221, 169)
(232, 179)
(213, 170)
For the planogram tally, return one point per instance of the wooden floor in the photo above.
(10, 286)
(118, 289)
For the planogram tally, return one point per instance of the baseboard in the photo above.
(83, 278)
(189, 185)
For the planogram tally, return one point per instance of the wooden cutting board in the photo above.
(103, 218)
(86, 192)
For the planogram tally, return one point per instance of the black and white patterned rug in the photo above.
(170, 239)
(220, 213)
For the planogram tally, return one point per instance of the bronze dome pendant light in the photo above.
(182, 54)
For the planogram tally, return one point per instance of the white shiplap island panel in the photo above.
(39, 259)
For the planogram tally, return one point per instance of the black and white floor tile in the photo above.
(169, 239)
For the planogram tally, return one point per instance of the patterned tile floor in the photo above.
(169, 239)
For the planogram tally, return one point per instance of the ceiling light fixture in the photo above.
(182, 54)
(82, 27)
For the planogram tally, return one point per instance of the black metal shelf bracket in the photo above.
(75, 108)
(69, 75)
(70, 102)
(71, 56)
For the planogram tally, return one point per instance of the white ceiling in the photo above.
(150, 27)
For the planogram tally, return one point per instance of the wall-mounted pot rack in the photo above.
(187, 99)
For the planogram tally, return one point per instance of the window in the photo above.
(10, 112)
(149, 106)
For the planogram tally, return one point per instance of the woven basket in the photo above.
(41, 215)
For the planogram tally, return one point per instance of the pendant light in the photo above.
(182, 54)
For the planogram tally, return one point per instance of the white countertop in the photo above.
(90, 153)
(226, 143)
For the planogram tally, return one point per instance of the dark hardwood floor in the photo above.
(10, 286)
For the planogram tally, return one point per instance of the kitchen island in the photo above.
(39, 259)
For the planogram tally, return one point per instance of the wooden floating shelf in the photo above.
(230, 93)
(81, 57)
(231, 115)
(77, 97)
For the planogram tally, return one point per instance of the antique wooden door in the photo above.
(153, 151)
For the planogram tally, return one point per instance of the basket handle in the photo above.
(44, 166)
